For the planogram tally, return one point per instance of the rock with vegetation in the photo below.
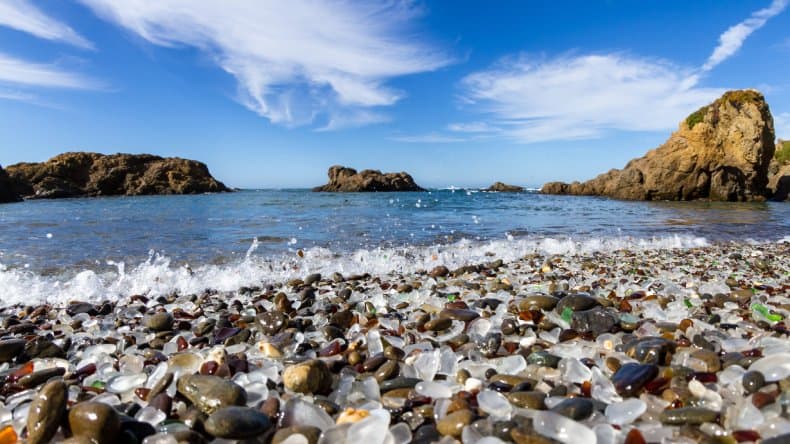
(7, 192)
(720, 152)
(779, 172)
(343, 179)
(504, 188)
(81, 174)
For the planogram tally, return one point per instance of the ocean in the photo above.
(104, 248)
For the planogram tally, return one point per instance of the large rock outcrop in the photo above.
(502, 187)
(720, 152)
(343, 179)
(90, 174)
(7, 192)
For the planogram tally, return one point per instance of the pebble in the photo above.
(688, 415)
(209, 393)
(631, 378)
(46, 412)
(11, 348)
(577, 409)
(161, 321)
(753, 381)
(307, 434)
(626, 412)
(95, 421)
(453, 424)
(312, 376)
(237, 423)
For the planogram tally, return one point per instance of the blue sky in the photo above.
(270, 94)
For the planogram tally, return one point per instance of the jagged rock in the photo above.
(504, 188)
(7, 193)
(349, 180)
(779, 172)
(720, 152)
(82, 174)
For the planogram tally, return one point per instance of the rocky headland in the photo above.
(502, 187)
(343, 179)
(720, 152)
(81, 174)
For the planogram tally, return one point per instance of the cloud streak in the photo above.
(732, 39)
(22, 73)
(581, 97)
(23, 16)
(295, 63)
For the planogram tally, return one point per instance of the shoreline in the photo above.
(603, 344)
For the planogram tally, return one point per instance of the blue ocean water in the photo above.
(99, 246)
(53, 235)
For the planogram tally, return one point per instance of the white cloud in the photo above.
(429, 138)
(23, 73)
(782, 125)
(732, 39)
(472, 127)
(23, 16)
(580, 97)
(297, 62)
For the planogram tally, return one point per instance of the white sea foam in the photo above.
(158, 275)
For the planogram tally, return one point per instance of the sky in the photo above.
(270, 94)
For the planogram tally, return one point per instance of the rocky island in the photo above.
(80, 174)
(720, 152)
(343, 179)
(502, 187)
(779, 172)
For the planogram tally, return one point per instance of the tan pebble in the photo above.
(352, 415)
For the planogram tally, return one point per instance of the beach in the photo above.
(620, 345)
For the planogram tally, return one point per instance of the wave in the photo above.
(158, 275)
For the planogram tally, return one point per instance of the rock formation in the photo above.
(504, 188)
(342, 179)
(7, 193)
(779, 172)
(720, 152)
(91, 174)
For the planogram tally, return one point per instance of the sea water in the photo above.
(104, 248)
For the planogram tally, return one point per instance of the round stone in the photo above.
(752, 381)
(95, 421)
(237, 423)
(209, 393)
(162, 321)
(311, 376)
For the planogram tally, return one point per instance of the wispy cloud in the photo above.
(298, 62)
(579, 97)
(23, 16)
(472, 127)
(23, 73)
(732, 39)
(429, 138)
